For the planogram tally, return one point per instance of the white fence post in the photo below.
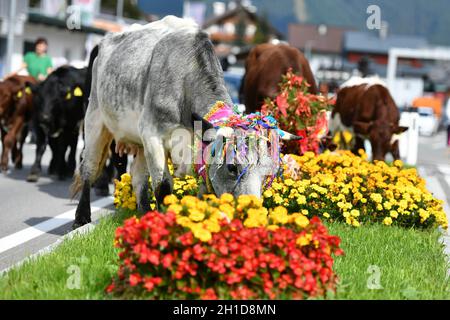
(409, 141)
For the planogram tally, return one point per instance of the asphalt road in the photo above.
(34, 215)
(24, 205)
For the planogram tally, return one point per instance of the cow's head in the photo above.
(53, 100)
(239, 161)
(381, 135)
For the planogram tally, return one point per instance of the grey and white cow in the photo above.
(146, 83)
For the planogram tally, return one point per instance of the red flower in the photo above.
(135, 279)
(209, 294)
(110, 288)
(254, 263)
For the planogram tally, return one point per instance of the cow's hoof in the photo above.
(33, 177)
(77, 224)
(101, 192)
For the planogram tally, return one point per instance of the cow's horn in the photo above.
(289, 136)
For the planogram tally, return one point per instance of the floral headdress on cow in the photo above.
(224, 117)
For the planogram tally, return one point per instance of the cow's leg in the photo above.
(41, 145)
(120, 162)
(101, 186)
(395, 150)
(359, 144)
(139, 176)
(53, 161)
(4, 157)
(18, 156)
(71, 161)
(95, 153)
(155, 156)
(59, 156)
(10, 142)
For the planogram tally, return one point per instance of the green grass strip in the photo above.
(411, 264)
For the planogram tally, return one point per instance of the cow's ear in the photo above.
(362, 127)
(400, 130)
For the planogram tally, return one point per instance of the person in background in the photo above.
(38, 63)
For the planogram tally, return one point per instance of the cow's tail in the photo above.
(88, 80)
(77, 183)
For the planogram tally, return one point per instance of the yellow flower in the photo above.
(376, 197)
(227, 209)
(268, 194)
(196, 215)
(175, 208)
(202, 234)
(354, 213)
(226, 198)
(125, 178)
(303, 241)
(301, 221)
(394, 214)
(301, 199)
(326, 215)
(168, 200)
(387, 221)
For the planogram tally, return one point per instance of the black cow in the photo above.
(58, 114)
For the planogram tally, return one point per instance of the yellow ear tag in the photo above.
(68, 96)
(78, 92)
(19, 94)
(28, 90)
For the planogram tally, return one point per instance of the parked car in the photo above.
(428, 121)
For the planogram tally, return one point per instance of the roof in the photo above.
(236, 11)
(299, 35)
(356, 41)
(59, 23)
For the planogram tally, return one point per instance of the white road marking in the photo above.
(434, 186)
(39, 229)
(444, 169)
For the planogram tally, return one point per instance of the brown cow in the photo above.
(265, 66)
(16, 103)
(366, 108)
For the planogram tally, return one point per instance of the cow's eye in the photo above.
(232, 168)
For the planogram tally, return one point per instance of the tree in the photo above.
(262, 33)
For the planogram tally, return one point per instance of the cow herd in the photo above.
(143, 84)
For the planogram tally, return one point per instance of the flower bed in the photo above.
(344, 187)
(224, 248)
(337, 186)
